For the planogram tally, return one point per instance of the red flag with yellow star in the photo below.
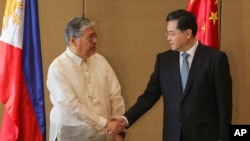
(206, 13)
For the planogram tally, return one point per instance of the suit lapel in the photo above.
(176, 72)
(196, 64)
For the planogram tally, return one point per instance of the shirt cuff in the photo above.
(126, 120)
(102, 121)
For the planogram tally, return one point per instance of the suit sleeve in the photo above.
(223, 83)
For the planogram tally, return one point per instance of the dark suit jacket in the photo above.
(203, 112)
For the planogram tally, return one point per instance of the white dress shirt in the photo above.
(191, 53)
(84, 93)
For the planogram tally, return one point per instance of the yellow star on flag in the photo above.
(203, 28)
(213, 17)
(10, 12)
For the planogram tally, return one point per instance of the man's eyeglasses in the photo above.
(171, 34)
(92, 36)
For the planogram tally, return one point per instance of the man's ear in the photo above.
(188, 33)
(73, 40)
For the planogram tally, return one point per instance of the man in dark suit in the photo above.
(199, 110)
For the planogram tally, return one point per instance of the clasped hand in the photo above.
(115, 125)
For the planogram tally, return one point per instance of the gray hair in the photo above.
(76, 27)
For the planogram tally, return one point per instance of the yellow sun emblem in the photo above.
(10, 12)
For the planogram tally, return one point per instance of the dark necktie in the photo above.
(184, 70)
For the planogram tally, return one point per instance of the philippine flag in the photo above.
(21, 76)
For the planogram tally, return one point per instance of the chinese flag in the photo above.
(21, 76)
(206, 13)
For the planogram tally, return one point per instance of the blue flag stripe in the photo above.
(32, 61)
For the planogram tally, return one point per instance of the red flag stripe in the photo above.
(19, 120)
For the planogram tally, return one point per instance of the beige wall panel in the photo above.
(245, 91)
(235, 32)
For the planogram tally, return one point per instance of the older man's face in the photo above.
(85, 46)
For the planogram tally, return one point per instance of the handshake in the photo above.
(116, 125)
